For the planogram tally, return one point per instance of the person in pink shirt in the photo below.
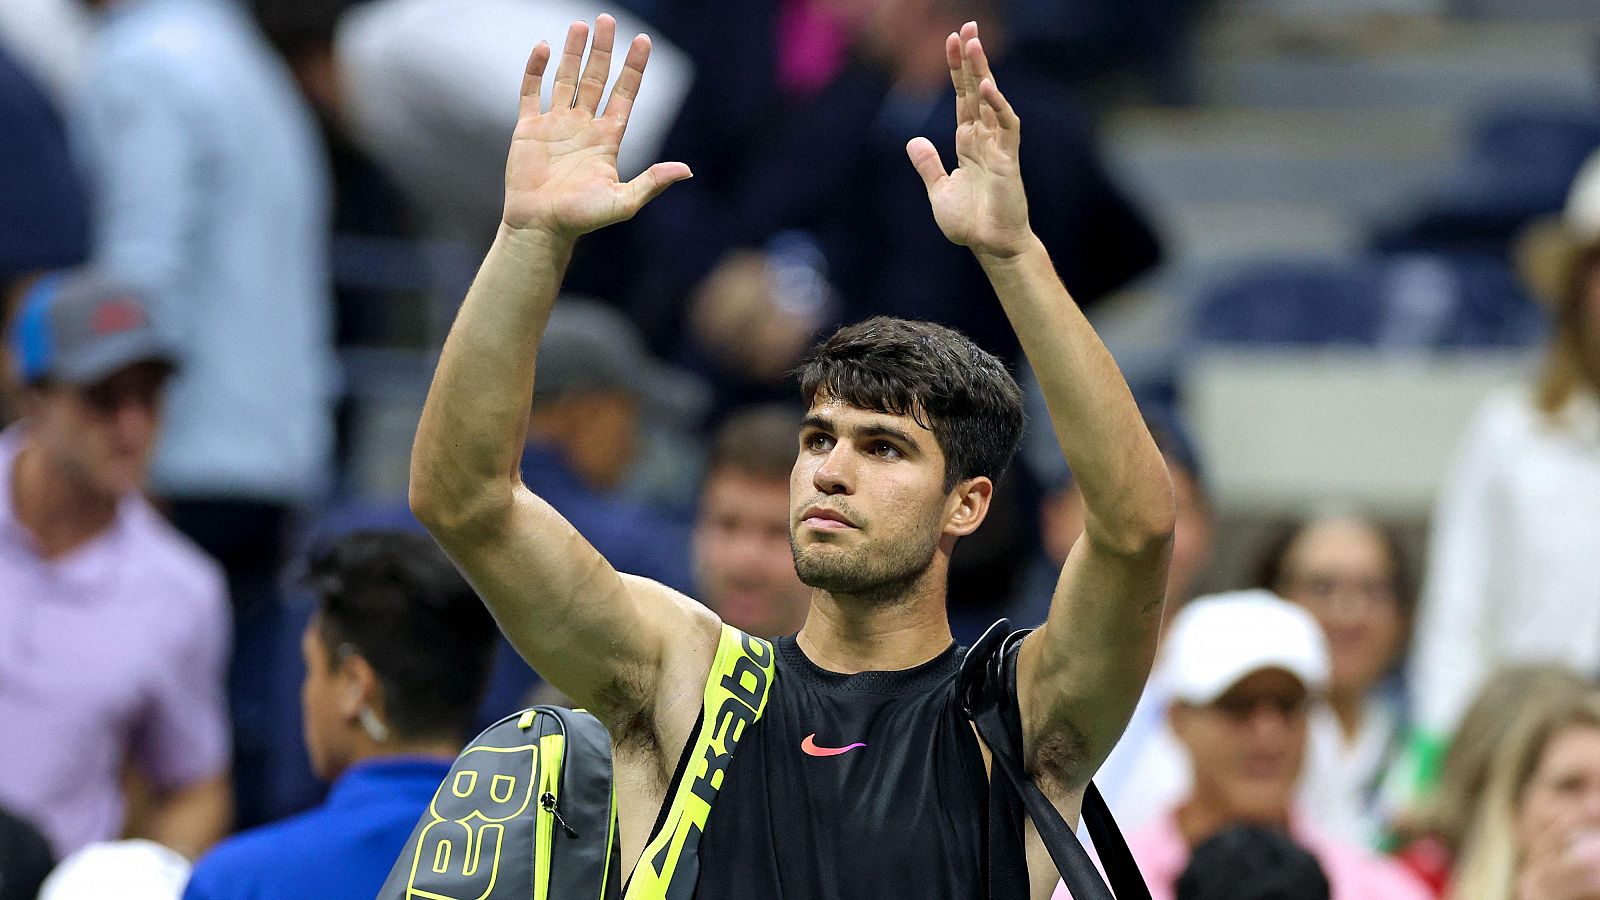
(113, 626)
(1245, 669)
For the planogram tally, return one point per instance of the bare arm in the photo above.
(1081, 673)
(597, 635)
(189, 819)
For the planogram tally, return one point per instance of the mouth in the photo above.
(825, 519)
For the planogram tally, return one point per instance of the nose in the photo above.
(835, 474)
(134, 423)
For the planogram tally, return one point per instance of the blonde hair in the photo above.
(1447, 814)
(1566, 361)
(1488, 866)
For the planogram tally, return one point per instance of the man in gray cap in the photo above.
(113, 627)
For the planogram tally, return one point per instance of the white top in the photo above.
(212, 198)
(431, 95)
(1514, 568)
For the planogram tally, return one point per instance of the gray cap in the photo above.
(76, 328)
(589, 346)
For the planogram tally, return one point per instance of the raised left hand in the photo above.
(981, 205)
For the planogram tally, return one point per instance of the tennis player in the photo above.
(862, 779)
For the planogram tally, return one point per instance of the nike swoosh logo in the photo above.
(809, 745)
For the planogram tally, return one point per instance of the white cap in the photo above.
(127, 870)
(1582, 213)
(1218, 640)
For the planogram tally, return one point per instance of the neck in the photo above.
(58, 510)
(1199, 819)
(1350, 708)
(398, 747)
(850, 633)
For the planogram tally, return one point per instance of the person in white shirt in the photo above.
(1514, 569)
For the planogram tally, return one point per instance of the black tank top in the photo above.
(851, 787)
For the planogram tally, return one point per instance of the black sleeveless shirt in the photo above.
(851, 787)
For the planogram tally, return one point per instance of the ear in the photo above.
(358, 687)
(968, 505)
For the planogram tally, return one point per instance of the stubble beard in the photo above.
(880, 573)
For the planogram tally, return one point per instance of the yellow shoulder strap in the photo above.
(735, 697)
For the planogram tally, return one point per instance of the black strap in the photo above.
(988, 694)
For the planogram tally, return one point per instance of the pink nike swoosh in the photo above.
(809, 745)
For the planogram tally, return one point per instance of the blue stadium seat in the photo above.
(1416, 301)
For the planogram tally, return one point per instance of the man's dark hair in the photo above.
(761, 441)
(1250, 862)
(396, 599)
(933, 374)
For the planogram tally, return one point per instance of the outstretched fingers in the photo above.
(626, 89)
(925, 158)
(592, 86)
(566, 83)
(650, 184)
(952, 58)
(533, 78)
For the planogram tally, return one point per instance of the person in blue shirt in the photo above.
(396, 656)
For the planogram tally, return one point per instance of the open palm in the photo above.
(561, 172)
(981, 204)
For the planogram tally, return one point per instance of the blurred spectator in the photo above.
(595, 384)
(51, 39)
(744, 569)
(396, 657)
(1244, 669)
(210, 196)
(825, 194)
(1536, 831)
(114, 629)
(1145, 771)
(1513, 574)
(44, 215)
(127, 870)
(419, 85)
(25, 858)
(1350, 573)
(1250, 862)
(1061, 524)
(1431, 837)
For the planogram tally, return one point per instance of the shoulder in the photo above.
(191, 583)
(1505, 417)
(240, 864)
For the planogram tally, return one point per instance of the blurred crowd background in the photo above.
(1347, 253)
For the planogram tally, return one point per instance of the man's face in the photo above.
(741, 551)
(867, 501)
(1247, 746)
(103, 434)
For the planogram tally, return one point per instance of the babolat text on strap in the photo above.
(735, 698)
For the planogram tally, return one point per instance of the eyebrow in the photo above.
(823, 423)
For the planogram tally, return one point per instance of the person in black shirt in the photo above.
(862, 779)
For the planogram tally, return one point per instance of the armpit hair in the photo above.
(1060, 759)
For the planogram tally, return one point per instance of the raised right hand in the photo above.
(561, 173)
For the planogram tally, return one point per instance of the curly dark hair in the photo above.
(935, 375)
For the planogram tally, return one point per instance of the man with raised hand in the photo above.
(863, 777)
